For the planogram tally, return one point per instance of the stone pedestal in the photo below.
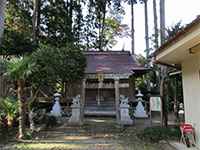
(140, 111)
(75, 119)
(124, 112)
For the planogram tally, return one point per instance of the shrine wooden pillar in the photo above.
(82, 101)
(132, 88)
(116, 82)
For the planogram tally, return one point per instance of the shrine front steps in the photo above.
(100, 113)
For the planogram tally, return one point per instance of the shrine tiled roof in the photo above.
(112, 62)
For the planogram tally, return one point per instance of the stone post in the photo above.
(117, 98)
(82, 100)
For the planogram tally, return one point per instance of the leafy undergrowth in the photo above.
(129, 139)
(156, 134)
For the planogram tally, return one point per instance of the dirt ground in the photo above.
(95, 134)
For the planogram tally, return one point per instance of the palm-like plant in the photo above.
(9, 109)
(19, 69)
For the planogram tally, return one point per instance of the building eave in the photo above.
(180, 49)
(181, 34)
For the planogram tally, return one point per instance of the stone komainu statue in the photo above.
(76, 100)
(123, 100)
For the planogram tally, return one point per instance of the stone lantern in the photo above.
(140, 111)
(181, 112)
(56, 109)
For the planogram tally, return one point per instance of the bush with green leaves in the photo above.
(51, 121)
(131, 112)
(28, 135)
(8, 110)
(156, 134)
(39, 116)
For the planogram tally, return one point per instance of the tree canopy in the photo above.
(18, 29)
(90, 24)
(52, 64)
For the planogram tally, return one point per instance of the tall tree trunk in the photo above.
(79, 21)
(132, 79)
(146, 28)
(71, 5)
(163, 95)
(176, 98)
(163, 73)
(155, 23)
(30, 108)
(147, 38)
(103, 27)
(102, 18)
(20, 84)
(99, 46)
(132, 28)
(31, 121)
(2, 17)
(36, 19)
(162, 21)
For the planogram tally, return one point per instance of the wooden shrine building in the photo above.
(107, 76)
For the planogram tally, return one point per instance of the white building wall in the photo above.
(191, 89)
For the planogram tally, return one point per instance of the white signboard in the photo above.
(155, 104)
